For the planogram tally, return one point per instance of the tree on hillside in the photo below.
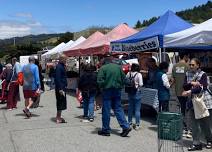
(21, 49)
(148, 22)
(138, 24)
(66, 37)
(198, 14)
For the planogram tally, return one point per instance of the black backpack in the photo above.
(130, 84)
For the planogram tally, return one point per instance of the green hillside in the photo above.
(195, 15)
(87, 32)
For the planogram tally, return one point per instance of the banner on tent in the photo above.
(144, 45)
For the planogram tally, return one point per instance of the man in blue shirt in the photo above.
(31, 84)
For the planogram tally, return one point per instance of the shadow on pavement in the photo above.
(79, 107)
(113, 131)
(53, 119)
(23, 115)
(71, 93)
(111, 113)
(3, 102)
(187, 142)
(147, 113)
(153, 128)
(3, 108)
(79, 117)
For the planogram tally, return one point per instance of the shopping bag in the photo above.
(79, 96)
(200, 109)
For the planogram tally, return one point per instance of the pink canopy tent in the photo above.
(102, 45)
(75, 51)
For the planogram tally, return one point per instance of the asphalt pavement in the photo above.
(42, 134)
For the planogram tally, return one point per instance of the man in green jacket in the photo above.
(111, 80)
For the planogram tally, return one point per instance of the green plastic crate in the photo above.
(170, 126)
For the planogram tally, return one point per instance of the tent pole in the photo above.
(79, 65)
(160, 55)
(164, 54)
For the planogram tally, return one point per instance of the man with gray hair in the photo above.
(31, 84)
(13, 94)
(60, 88)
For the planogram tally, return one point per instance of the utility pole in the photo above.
(14, 41)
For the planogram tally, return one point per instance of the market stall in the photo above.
(196, 37)
(75, 51)
(98, 44)
(102, 45)
(56, 48)
(68, 46)
(151, 39)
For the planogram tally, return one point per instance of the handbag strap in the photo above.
(209, 91)
(198, 76)
(134, 75)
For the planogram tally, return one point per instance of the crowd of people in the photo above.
(28, 76)
(187, 78)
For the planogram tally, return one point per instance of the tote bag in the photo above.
(200, 109)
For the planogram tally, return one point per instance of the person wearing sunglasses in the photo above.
(195, 82)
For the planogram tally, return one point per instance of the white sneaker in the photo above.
(185, 132)
(85, 120)
(189, 134)
(131, 125)
(137, 127)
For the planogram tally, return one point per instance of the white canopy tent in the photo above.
(55, 53)
(77, 42)
(58, 47)
(68, 44)
(199, 36)
(62, 47)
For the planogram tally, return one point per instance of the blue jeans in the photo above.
(52, 83)
(134, 106)
(88, 103)
(164, 105)
(112, 99)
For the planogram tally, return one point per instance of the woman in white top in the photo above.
(135, 96)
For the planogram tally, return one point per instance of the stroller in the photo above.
(3, 91)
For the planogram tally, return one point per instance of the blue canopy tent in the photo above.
(152, 36)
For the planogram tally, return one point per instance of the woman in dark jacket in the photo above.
(195, 78)
(152, 71)
(88, 86)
